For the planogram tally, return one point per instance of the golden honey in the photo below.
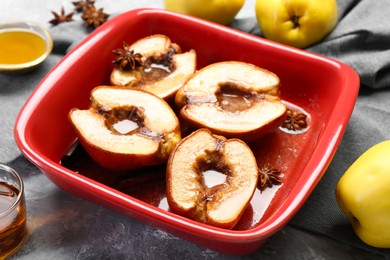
(13, 224)
(20, 46)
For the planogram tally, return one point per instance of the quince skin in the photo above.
(297, 23)
(219, 11)
(363, 194)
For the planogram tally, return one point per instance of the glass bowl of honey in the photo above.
(23, 45)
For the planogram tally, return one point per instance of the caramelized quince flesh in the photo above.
(233, 99)
(125, 128)
(164, 67)
(188, 195)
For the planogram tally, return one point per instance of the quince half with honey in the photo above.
(233, 99)
(200, 154)
(153, 64)
(125, 129)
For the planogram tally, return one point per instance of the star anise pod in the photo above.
(295, 120)
(94, 17)
(126, 58)
(80, 6)
(269, 176)
(61, 18)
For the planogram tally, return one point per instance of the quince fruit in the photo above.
(233, 99)
(219, 11)
(363, 194)
(125, 129)
(298, 23)
(202, 153)
(163, 68)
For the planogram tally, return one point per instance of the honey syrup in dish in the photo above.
(125, 126)
(148, 184)
(285, 151)
(20, 46)
(213, 178)
(232, 99)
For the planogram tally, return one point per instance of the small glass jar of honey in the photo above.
(13, 220)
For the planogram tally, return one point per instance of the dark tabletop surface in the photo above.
(66, 227)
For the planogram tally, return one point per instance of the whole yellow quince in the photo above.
(219, 11)
(363, 194)
(298, 23)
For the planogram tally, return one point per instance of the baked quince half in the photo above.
(233, 99)
(153, 64)
(125, 129)
(198, 154)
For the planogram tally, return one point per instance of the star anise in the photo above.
(295, 120)
(269, 176)
(126, 58)
(80, 6)
(94, 17)
(61, 18)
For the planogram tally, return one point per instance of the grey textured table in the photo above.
(66, 227)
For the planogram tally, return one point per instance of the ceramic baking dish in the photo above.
(324, 89)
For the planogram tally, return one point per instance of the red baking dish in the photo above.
(324, 89)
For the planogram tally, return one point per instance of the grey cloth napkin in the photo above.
(361, 40)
